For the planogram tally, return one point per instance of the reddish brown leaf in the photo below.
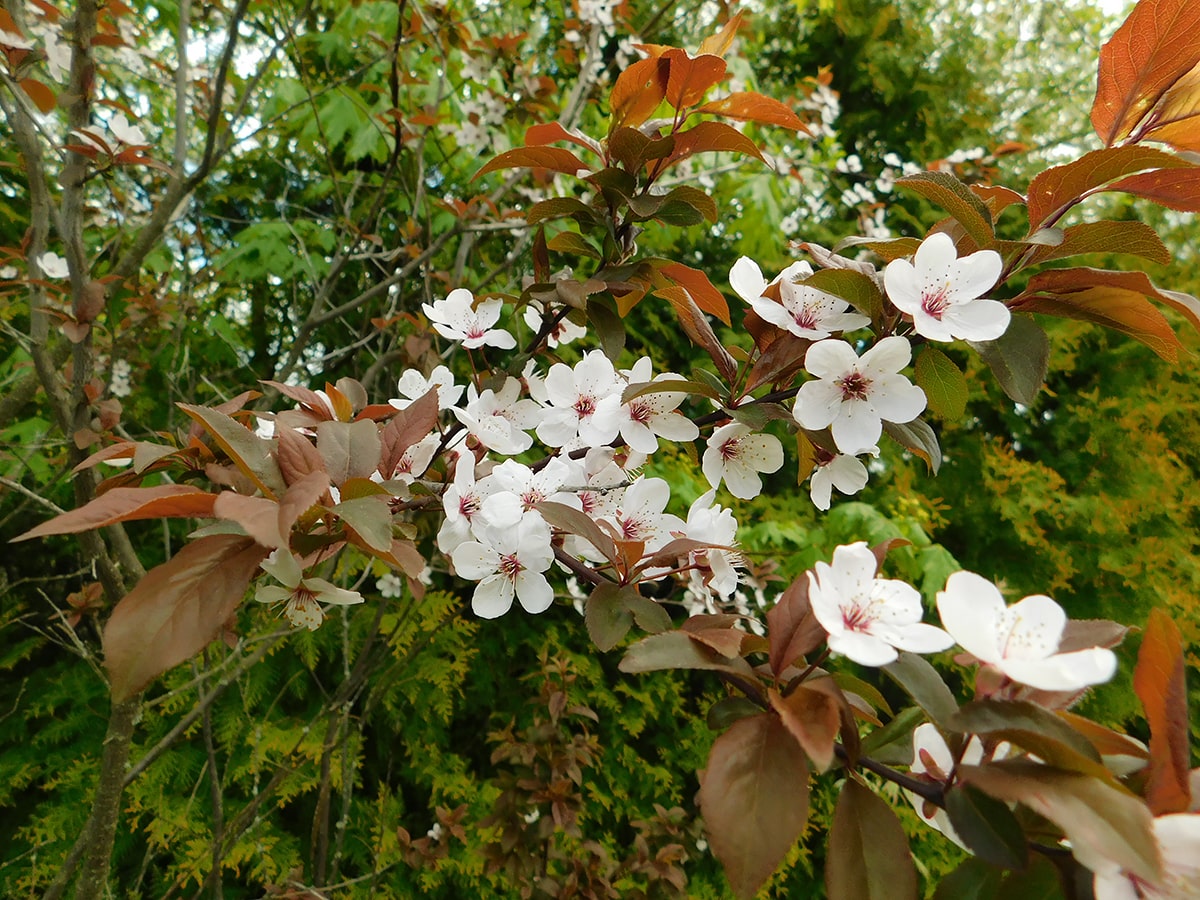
(42, 96)
(702, 292)
(868, 855)
(779, 362)
(792, 629)
(177, 609)
(349, 449)
(1153, 49)
(1115, 300)
(257, 515)
(573, 521)
(540, 135)
(1052, 190)
(1100, 820)
(638, 92)
(754, 799)
(698, 330)
(813, 717)
(1177, 119)
(718, 44)
(296, 455)
(748, 106)
(1160, 683)
(706, 137)
(1173, 188)
(299, 498)
(128, 504)
(1062, 280)
(556, 159)
(691, 77)
(410, 426)
(1106, 236)
(309, 399)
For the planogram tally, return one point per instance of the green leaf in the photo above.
(859, 290)
(728, 710)
(573, 244)
(677, 650)
(946, 191)
(943, 382)
(987, 826)
(558, 207)
(370, 519)
(868, 855)
(1019, 359)
(918, 437)
(921, 681)
(606, 615)
(610, 328)
(1031, 728)
(248, 452)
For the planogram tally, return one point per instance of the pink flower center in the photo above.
(585, 406)
(531, 498)
(468, 505)
(729, 449)
(633, 529)
(934, 303)
(640, 412)
(510, 567)
(854, 386)
(857, 618)
(806, 317)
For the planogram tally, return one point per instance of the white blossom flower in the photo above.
(508, 562)
(640, 516)
(497, 419)
(807, 312)
(584, 401)
(716, 525)
(646, 418)
(933, 760)
(416, 459)
(461, 501)
(1178, 838)
(942, 292)
(1021, 640)
(855, 395)
(14, 41)
(840, 470)
(300, 597)
(126, 133)
(118, 383)
(455, 319)
(58, 55)
(517, 490)
(737, 455)
(390, 586)
(867, 618)
(412, 386)
(53, 265)
(747, 281)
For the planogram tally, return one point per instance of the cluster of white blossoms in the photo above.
(869, 619)
(597, 425)
(851, 393)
